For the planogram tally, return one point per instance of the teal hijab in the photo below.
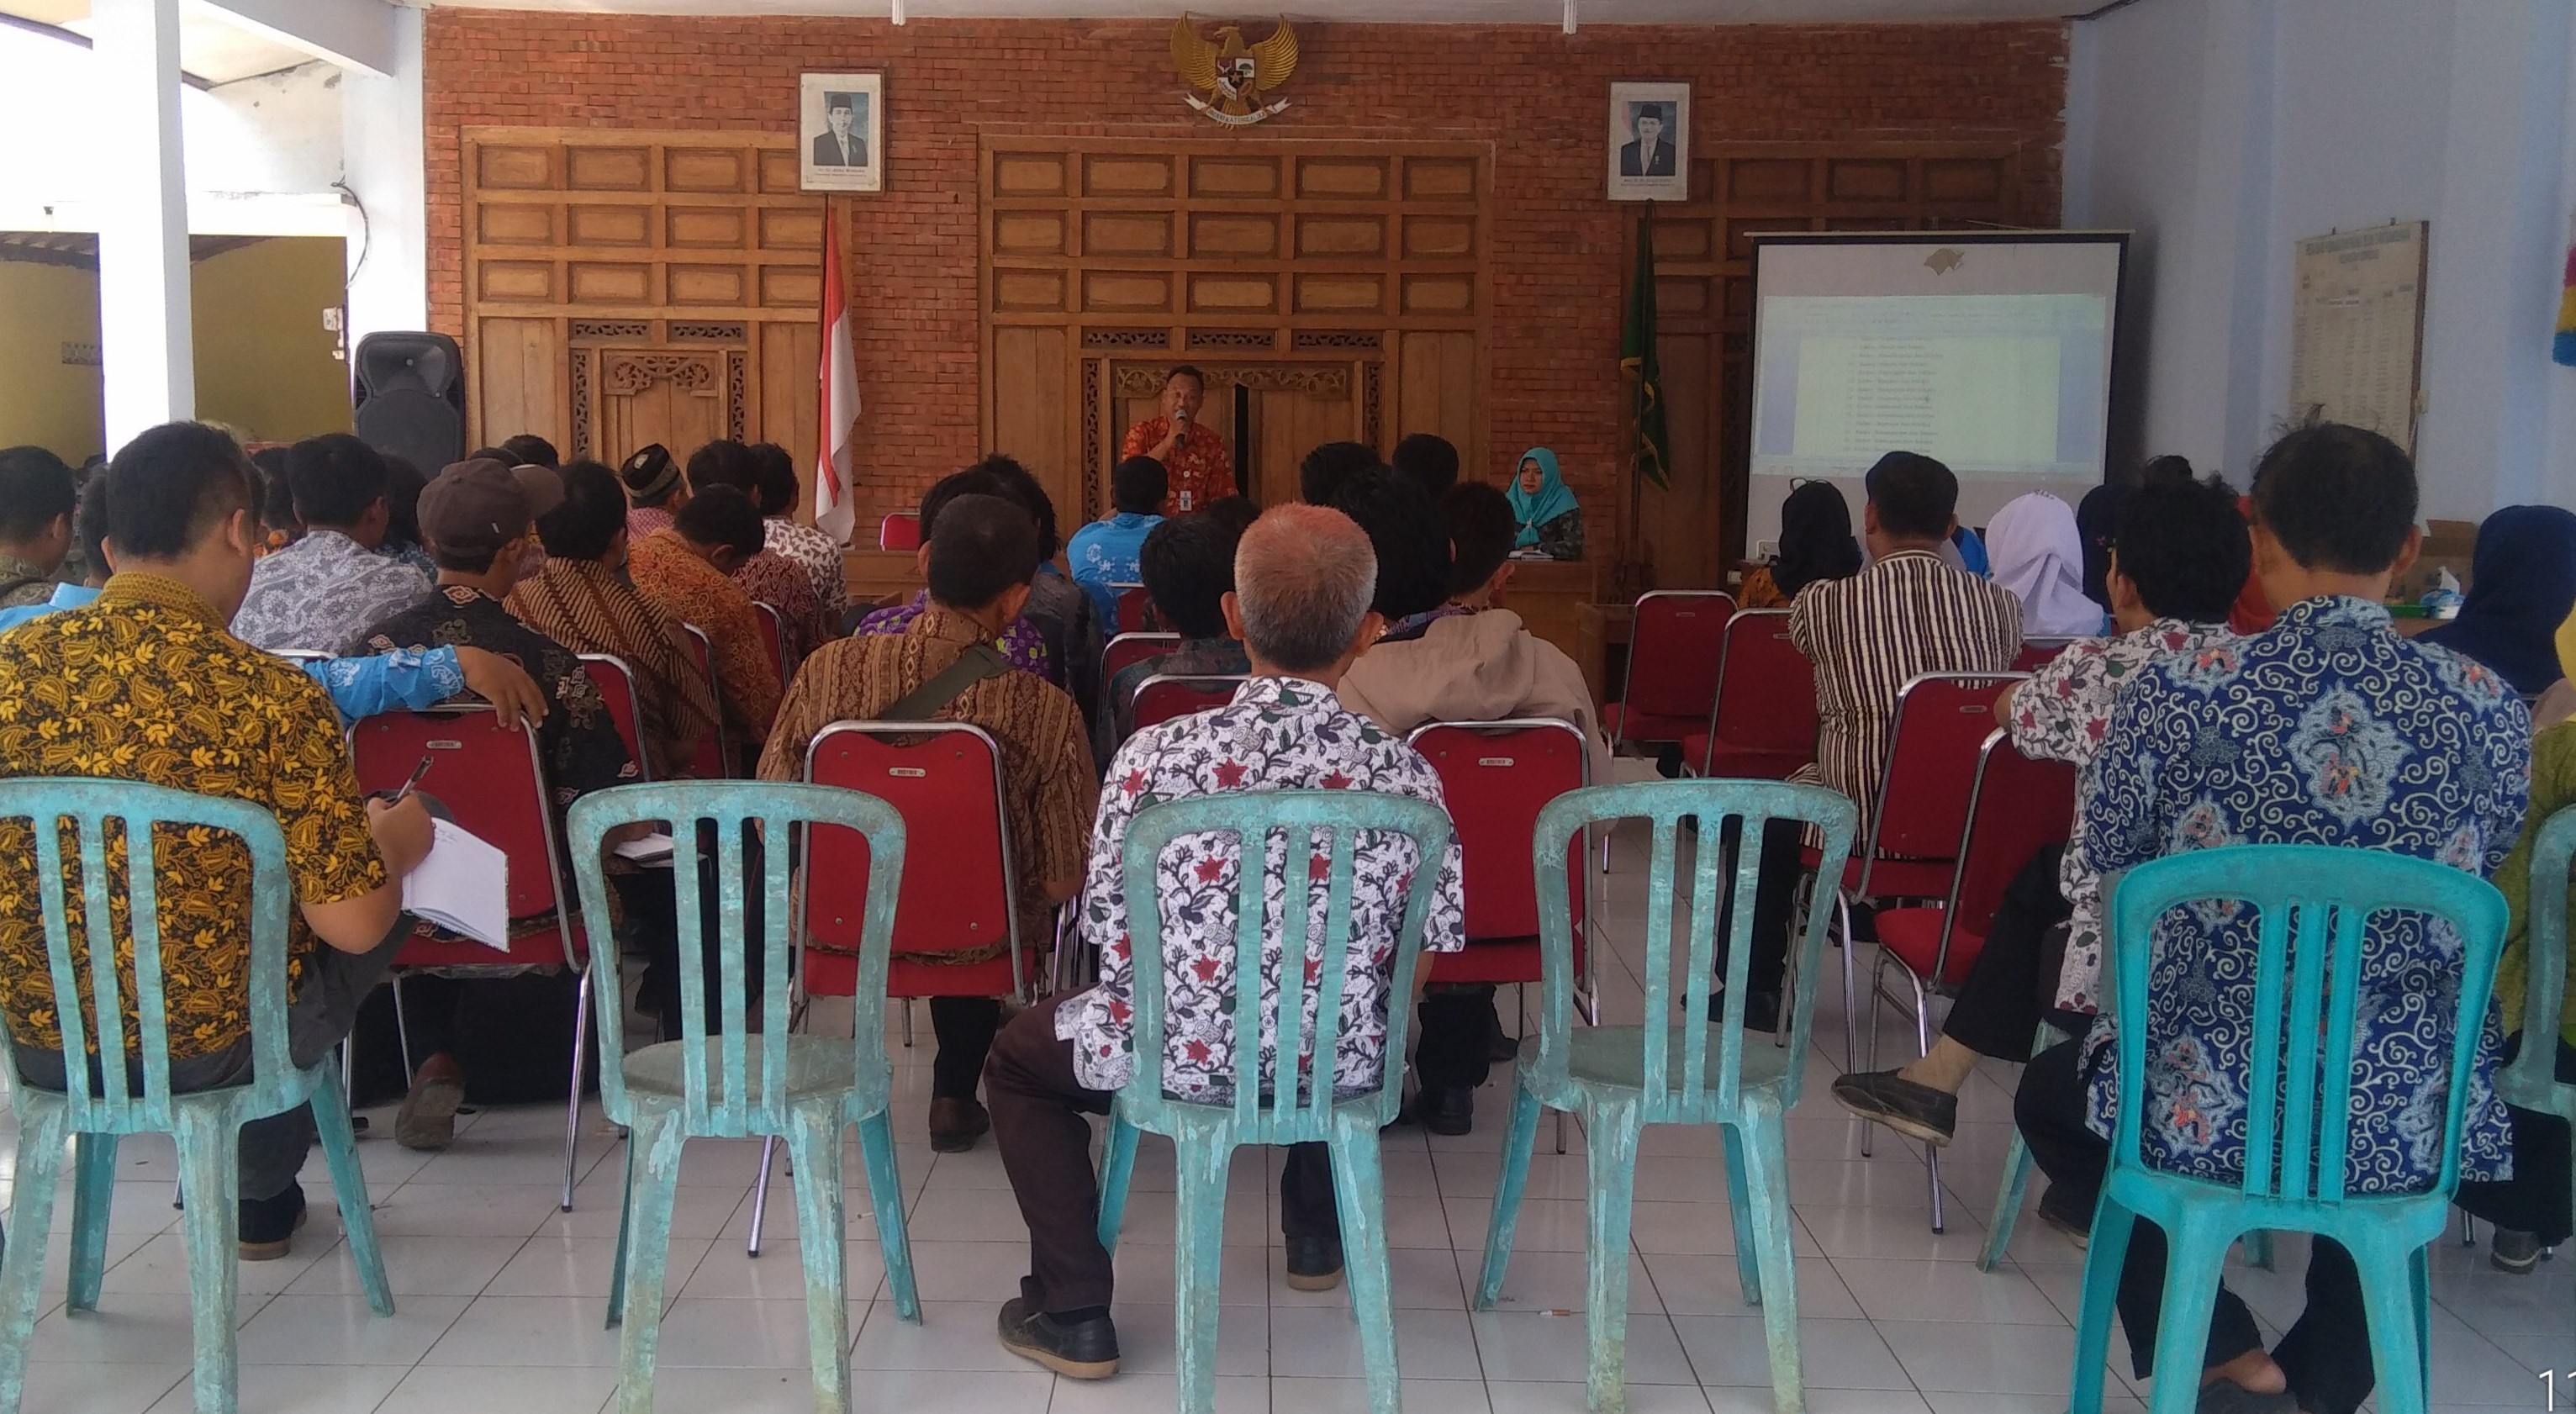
(1536, 508)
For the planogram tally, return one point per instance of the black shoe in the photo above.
(2061, 1213)
(1082, 1350)
(268, 1224)
(1761, 1010)
(955, 1124)
(1500, 1045)
(1446, 1109)
(1915, 1111)
(1314, 1263)
(2515, 1252)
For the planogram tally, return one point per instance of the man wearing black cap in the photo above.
(655, 490)
(479, 518)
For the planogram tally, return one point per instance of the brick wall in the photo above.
(1534, 93)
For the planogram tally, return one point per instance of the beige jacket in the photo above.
(1477, 667)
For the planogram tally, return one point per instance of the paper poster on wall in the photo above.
(2357, 327)
(1649, 142)
(840, 119)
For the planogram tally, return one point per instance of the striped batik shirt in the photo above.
(1905, 615)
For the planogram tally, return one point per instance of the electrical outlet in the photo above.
(331, 319)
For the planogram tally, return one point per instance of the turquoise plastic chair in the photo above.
(746, 1084)
(204, 1126)
(2299, 1088)
(2532, 1080)
(1205, 1136)
(1622, 1078)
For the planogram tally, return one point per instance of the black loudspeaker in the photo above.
(411, 398)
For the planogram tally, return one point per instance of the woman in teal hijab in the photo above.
(1550, 521)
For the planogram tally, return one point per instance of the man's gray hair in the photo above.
(1303, 576)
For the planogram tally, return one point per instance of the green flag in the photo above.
(1637, 361)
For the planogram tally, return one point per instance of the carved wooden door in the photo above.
(681, 398)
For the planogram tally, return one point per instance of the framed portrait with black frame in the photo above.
(1648, 153)
(840, 123)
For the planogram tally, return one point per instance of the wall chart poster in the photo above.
(2356, 333)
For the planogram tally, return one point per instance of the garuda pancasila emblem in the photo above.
(1234, 75)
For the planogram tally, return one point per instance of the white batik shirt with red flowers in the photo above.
(2062, 714)
(1279, 733)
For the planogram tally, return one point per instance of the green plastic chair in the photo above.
(204, 1126)
(1205, 1136)
(1622, 1078)
(2532, 1080)
(801, 1088)
(2300, 1084)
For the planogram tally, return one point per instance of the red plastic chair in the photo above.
(1160, 698)
(2036, 652)
(616, 684)
(1912, 849)
(714, 761)
(899, 531)
(492, 781)
(1674, 644)
(1763, 723)
(773, 640)
(1496, 777)
(1127, 649)
(1135, 609)
(2016, 808)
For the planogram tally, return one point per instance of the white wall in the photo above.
(2223, 130)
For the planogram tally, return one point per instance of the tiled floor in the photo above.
(501, 1296)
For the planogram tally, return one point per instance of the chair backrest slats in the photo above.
(721, 823)
(2532, 1080)
(2313, 906)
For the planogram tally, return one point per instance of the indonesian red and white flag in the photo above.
(839, 400)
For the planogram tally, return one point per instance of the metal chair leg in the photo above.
(907, 1023)
(1923, 1047)
(760, 1195)
(402, 1027)
(572, 1113)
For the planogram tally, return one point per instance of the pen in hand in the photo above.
(416, 773)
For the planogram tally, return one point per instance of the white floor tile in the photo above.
(1995, 1359)
(1709, 1286)
(416, 1264)
(341, 1330)
(141, 1329)
(1757, 1399)
(1301, 1395)
(953, 1335)
(529, 1330)
(1130, 1393)
(1430, 1345)
(1533, 1345)
(442, 1389)
(1892, 1290)
(1147, 1338)
(99, 1389)
(302, 1389)
(1732, 1350)
(1525, 1397)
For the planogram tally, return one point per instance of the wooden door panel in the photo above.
(1435, 391)
(787, 397)
(519, 382)
(1033, 411)
(1680, 526)
(676, 397)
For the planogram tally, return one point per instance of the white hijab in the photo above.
(2036, 553)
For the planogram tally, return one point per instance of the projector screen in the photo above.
(1990, 351)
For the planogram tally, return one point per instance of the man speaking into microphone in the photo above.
(1192, 454)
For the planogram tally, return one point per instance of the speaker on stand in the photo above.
(411, 397)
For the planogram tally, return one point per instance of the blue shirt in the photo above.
(359, 687)
(1104, 553)
(2329, 729)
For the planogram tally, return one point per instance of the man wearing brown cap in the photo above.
(479, 518)
(655, 490)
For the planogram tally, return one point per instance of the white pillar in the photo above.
(143, 316)
(383, 160)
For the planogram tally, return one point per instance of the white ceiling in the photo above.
(211, 45)
(1547, 12)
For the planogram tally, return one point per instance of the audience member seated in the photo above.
(323, 591)
(1815, 544)
(776, 489)
(1303, 577)
(1551, 524)
(1330, 467)
(529, 449)
(402, 544)
(655, 490)
(2182, 552)
(480, 517)
(2522, 584)
(1188, 565)
(151, 659)
(1479, 664)
(1021, 644)
(1412, 548)
(1906, 614)
(582, 601)
(278, 525)
(2337, 731)
(1057, 607)
(2559, 702)
(687, 569)
(1103, 553)
(981, 559)
(1428, 460)
(764, 574)
(2038, 554)
(37, 496)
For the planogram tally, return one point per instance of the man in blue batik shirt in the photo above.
(2329, 729)
(1103, 554)
(359, 687)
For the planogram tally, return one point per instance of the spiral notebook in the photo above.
(463, 886)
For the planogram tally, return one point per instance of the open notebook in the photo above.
(463, 886)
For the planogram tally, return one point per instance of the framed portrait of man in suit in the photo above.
(840, 124)
(1649, 142)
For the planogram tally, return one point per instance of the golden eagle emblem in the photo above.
(1234, 75)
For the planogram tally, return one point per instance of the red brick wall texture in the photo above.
(1535, 94)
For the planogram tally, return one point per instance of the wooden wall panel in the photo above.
(1033, 408)
(519, 379)
(1436, 385)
